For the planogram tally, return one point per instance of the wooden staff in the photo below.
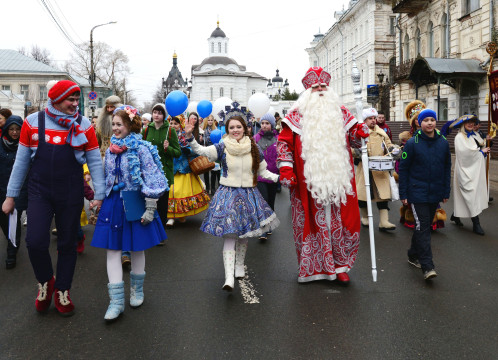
(491, 50)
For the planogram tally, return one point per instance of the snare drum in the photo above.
(380, 163)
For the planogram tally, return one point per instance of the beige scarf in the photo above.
(237, 148)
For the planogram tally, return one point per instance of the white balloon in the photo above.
(219, 105)
(192, 106)
(259, 104)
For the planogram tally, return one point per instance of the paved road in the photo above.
(186, 315)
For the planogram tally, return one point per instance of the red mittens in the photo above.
(287, 177)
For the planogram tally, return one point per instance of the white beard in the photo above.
(104, 124)
(327, 167)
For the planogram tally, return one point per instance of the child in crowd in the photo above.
(266, 139)
(132, 167)
(8, 150)
(187, 195)
(424, 181)
(237, 210)
(209, 125)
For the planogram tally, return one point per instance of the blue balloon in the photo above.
(204, 108)
(176, 102)
(215, 136)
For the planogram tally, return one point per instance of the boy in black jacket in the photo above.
(424, 181)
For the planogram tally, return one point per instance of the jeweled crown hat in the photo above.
(231, 111)
(314, 76)
(413, 109)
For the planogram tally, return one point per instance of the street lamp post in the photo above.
(92, 73)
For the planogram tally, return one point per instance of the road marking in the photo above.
(247, 289)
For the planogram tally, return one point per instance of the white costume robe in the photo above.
(470, 194)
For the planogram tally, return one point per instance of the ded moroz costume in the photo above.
(315, 160)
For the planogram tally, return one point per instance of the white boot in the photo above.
(240, 255)
(170, 223)
(364, 216)
(384, 223)
(229, 263)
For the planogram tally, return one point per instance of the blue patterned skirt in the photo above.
(114, 232)
(240, 211)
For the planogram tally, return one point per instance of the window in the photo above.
(253, 92)
(392, 66)
(25, 91)
(315, 63)
(443, 110)
(101, 101)
(430, 40)
(212, 47)
(6, 87)
(470, 5)
(392, 25)
(417, 42)
(444, 35)
(211, 89)
(221, 92)
(219, 47)
(406, 48)
(231, 93)
(42, 92)
(226, 48)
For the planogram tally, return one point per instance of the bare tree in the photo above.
(37, 53)
(110, 66)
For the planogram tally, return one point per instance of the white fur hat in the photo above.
(369, 112)
(147, 116)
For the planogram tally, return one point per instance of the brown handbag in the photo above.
(201, 165)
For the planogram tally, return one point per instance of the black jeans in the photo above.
(269, 192)
(381, 205)
(421, 238)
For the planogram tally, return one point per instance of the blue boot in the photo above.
(137, 289)
(116, 306)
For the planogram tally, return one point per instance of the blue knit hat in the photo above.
(270, 118)
(425, 114)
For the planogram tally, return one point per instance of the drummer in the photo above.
(379, 145)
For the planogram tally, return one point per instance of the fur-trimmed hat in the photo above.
(270, 118)
(413, 109)
(369, 112)
(147, 116)
(113, 100)
(315, 75)
(61, 90)
(404, 136)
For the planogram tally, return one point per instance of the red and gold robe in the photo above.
(326, 237)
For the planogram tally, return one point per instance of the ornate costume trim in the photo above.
(132, 142)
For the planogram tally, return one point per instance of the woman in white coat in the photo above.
(470, 194)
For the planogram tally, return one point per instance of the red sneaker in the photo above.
(44, 297)
(63, 303)
(343, 277)
(81, 245)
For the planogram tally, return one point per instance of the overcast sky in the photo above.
(264, 35)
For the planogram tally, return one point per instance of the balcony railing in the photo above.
(401, 72)
(408, 6)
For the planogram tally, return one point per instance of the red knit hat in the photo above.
(61, 90)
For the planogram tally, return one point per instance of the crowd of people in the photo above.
(142, 182)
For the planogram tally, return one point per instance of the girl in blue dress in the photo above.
(131, 165)
(237, 210)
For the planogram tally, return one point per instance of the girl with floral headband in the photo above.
(132, 169)
(237, 210)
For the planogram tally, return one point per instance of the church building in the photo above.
(218, 75)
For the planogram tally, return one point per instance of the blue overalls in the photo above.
(55, 186)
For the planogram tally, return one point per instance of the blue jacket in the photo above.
(425, 169)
